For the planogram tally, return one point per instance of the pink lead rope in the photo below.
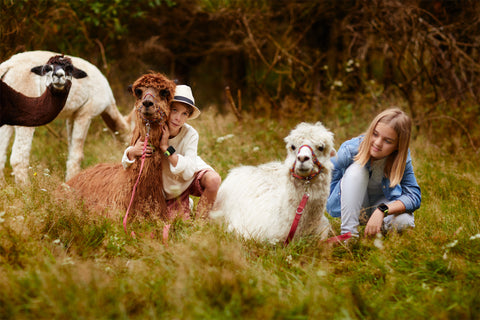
(298, 215)
(136, 183)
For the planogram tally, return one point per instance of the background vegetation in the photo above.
(285, 62)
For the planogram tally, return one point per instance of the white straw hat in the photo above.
(183, 94)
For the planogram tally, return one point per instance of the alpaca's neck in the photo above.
(154, 133)
(18, 109)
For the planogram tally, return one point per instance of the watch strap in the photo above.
(170, 151)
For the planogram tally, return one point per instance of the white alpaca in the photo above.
(260, 202)
(88, 98)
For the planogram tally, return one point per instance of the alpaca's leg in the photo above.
(5, 135)
(20, 157)
(76, 139)
(211, 183)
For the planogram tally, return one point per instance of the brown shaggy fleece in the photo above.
(109, 186)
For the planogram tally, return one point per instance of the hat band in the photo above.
(183, 99)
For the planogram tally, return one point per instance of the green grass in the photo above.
(58, 260)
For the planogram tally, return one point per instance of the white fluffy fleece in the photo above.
(260, 202)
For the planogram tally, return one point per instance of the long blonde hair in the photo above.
(396, 161)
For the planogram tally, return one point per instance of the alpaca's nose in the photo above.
(147, 103)
(303, 158)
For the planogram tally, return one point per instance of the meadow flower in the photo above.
(289, 259)
(378, 242)
(228, 136)
(452, 244)
(477, 236)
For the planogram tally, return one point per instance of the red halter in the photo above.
(315, 161)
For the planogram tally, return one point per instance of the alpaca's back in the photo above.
(251, 198)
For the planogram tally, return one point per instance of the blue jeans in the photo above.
(355, 199)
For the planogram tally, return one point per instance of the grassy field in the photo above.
(60, 261)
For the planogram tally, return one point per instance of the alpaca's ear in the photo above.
(130, 88)
(37, 70)
(78, 73)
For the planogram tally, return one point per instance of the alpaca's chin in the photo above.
(303, 172)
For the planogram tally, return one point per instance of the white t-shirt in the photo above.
(177, 179)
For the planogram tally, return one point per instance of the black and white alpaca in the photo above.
(89, 97)
(20, 110)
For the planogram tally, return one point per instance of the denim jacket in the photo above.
(408, 191)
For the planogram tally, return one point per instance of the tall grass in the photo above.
(59, 260)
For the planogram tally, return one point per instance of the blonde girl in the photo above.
(373, 177)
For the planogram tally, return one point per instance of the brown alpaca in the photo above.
(110, 186)
(18, 109)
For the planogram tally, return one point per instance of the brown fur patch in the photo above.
(60, 60)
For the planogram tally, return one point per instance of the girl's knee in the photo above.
(356, 172)
(212, 180)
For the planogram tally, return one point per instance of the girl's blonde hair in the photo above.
(396, 161)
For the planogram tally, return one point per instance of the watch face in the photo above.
(383, 207)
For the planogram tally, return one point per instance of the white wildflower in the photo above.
(477, 236)
(321, 273)
(256, 148)
(289, 258)
(57, 241)
(452, 244)
(228, 136)
(43, 189)
(378, 242)
(350, 62)
(104, 129)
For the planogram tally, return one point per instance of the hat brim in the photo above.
(196, 112)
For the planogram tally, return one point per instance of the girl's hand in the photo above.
(137, 150)
(165, 136)
(374, 224)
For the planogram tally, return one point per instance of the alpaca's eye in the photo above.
(138, 93)
(69, 69)
(47, 68)
(164, 93)
(320, 148)
(293, 147)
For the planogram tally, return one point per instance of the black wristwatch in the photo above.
(383, 207)
(170, 151)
